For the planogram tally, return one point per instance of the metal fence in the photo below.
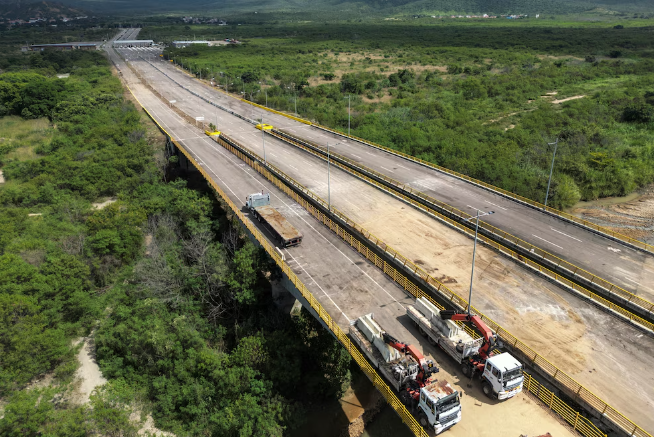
(400, 279)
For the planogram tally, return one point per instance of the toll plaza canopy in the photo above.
(134, 43)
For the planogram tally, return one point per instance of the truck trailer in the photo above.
(501, 375)
(434, 402)
(284, 232)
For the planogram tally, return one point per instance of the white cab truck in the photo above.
(434, 402)
(501, 374)
(285, 233)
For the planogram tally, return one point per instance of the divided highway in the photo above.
(345, 283)
(584, 341)
(626, 267)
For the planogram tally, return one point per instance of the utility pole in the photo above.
(474, 253)
(547, 194)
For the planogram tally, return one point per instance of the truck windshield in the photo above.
(448, 402)
(508, 375)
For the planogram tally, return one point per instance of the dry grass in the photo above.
(23, 136)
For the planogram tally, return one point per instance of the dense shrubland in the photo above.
(184, 322)
(471, 98)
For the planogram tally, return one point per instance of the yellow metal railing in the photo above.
(576, 420)
(534, 358)
(358, 357)
(409, 285)
(646, 305)
(508, 252)
(405, 283)
(573, 218)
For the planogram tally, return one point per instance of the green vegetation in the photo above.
(483, 99)
(179, 302)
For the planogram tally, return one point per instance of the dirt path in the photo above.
(88, 374)
(567, 99)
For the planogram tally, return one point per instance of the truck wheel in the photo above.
(405, 398)
(431, 341)
(422, 331)
(465, 368)
(422, 419)
(487, 389)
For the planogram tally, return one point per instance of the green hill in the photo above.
(14, 10)
(344, 8)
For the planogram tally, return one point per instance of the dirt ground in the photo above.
(88, 374)
(632, 216)
(574, 335)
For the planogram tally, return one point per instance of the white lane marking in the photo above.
(471, 207)
(293, 167)
(387, 169)
(628, 279)
(569, 236)
(547, 241)
(400, 165)
(371, 154)
(321, 289)
(613, 249)
(356, 156)
(496, 205)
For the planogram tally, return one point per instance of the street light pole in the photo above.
(329, 191)
(474, 253)
(263, 140)
(556, 143)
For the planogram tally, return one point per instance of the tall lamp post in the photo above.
(329, 191)
(474, 253)
(547, 194)
(263, 140)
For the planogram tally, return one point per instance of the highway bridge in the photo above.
(507, 292)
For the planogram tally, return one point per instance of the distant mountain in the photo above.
(20, 10)
(371, 7)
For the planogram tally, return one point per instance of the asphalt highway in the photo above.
(628, 268)
(612, 341)
(344, 282)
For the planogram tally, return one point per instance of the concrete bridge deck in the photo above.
(585, 342)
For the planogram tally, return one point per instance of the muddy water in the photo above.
(386, 424)
(606, 201)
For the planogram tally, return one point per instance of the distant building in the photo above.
(133, 43)
(62, 46)
(182, 44)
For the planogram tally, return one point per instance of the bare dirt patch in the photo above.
(104, 204)
(632, 215)
(567, 99)
(88, 372)
(384, 99)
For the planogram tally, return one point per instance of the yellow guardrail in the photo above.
(342, 337)
(537, 360)
(646, 305)
(573, 218)
(410, 286)
(508, 252)
(576, 420)
(301, 120)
